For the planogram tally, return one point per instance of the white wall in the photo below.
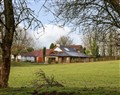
(31, 59)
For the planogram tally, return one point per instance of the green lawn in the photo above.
(95, 74)
(95, 78)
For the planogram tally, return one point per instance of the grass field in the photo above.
(97, 74)
(104, 74)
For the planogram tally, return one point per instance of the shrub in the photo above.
(45, 81)
(49, 61)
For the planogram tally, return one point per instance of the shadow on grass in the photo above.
(60, 91)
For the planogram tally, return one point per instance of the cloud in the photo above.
(51, 34)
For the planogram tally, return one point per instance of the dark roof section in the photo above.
(65, 48)
(77, 54)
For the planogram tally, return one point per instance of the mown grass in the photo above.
(94, 78)
(95, 74)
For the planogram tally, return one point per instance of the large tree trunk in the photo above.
(7, 42)
(5, 67)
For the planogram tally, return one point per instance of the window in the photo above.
(66, 49)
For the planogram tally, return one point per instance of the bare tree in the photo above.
(21, 42)
(91, 41)
(113, 42)
(64, 40)
(87, 12)
(105, 40)
(13, 13)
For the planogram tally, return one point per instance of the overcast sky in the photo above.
(52, 32)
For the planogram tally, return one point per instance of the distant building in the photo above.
(66, 54)
(34, 56)
(59, 54)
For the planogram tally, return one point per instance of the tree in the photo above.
(113, 45)
(87, 52)
(94, 49)
(84, 13)
(30, 49)
(92, 40)
(64, 40)
(44, 53)
(21, 41)
(105, 40)
(10, 18)
(7, 42)
(52, 46)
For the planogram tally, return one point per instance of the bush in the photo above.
(49, 61)
(45, 81)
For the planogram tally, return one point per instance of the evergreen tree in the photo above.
(44, 53)
(52, 46)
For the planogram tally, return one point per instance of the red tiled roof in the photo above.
(37, 53)
(48, 51)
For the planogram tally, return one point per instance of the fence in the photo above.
(105, 58)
